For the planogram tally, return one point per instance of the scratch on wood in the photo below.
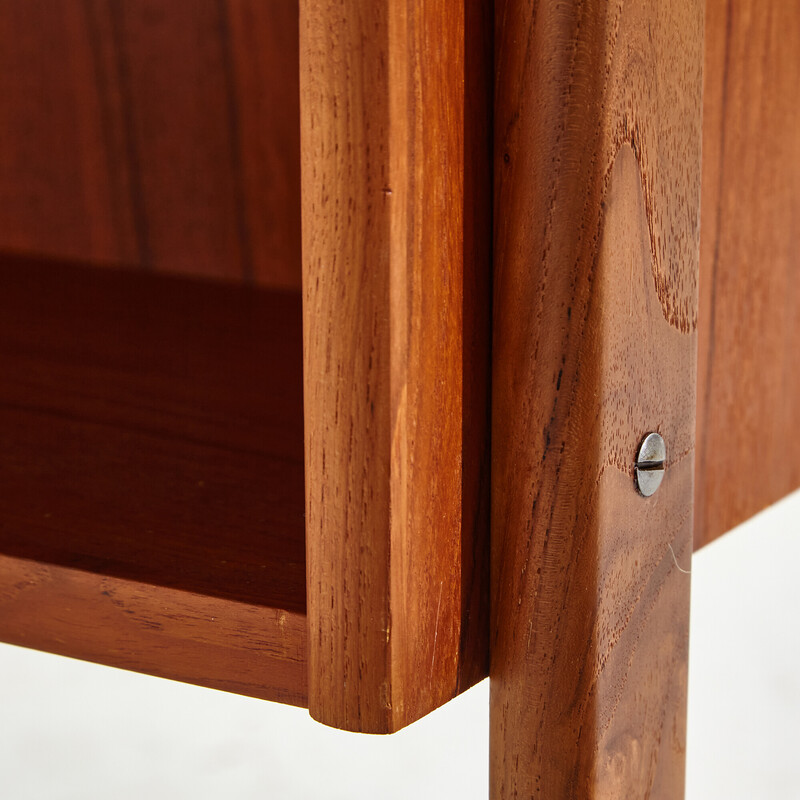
(436, 627)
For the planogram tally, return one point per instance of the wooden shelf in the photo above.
(151, 512)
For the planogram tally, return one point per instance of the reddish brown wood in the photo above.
(396, 209)
(748, 385)
(155, 134)
(152, 507)
(597, 177)
(197, 638)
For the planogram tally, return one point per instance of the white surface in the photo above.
(74, 730)
(744, 662)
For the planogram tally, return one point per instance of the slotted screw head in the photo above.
(650, 464)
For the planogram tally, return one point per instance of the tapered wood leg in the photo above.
(597, 183)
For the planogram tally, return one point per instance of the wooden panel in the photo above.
(201, 639)
(597, 178)
(748, 384)
(152, 507)
(151, 133)
(396, 231)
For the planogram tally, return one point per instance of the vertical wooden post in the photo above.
(396, 199)
(597, 189)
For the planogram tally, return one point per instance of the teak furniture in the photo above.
(329, 333)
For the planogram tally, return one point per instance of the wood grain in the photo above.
(749, 334)
(163, 135)
(236, 647)
(396, 282)
(152, 507)
(597, 179)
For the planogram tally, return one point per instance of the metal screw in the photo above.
(650, 464)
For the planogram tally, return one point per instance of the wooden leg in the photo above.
(597, 188)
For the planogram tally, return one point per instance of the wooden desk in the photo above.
(364, 477)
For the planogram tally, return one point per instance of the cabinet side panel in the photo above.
(749, 334)
(396, 241)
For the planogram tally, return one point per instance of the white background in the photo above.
(75, 730)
